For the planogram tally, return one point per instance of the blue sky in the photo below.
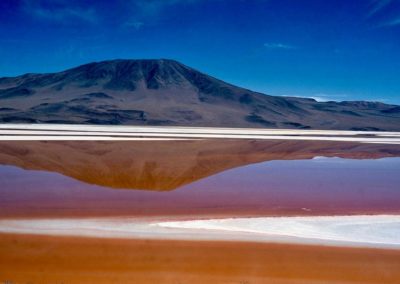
(327, 49)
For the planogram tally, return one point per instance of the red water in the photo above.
(322, 186)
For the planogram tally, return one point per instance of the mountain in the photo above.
(166, 92)
(156, 166)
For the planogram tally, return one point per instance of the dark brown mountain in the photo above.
(166, 92)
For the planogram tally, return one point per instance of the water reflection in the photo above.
(227, 178)
(167, 165)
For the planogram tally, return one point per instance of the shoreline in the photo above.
(338, 231)
(22, 132)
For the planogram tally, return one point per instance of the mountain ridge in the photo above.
(167, 92)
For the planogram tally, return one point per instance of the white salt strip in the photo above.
(98, 132)
(189, 130)
(367, 229)
(360, 230)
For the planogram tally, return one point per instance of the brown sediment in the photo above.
(49, 260)
(167, 165)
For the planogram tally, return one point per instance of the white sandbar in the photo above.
(113, 132)
(360, 230)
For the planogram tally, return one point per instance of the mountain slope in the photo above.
(166, 92)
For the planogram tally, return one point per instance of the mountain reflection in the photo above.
(167, 165)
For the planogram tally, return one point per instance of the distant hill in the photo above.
(166, 92)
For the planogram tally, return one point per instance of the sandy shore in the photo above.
(121, 133)
(49, 260)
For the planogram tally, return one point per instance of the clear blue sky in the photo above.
(330, 49)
